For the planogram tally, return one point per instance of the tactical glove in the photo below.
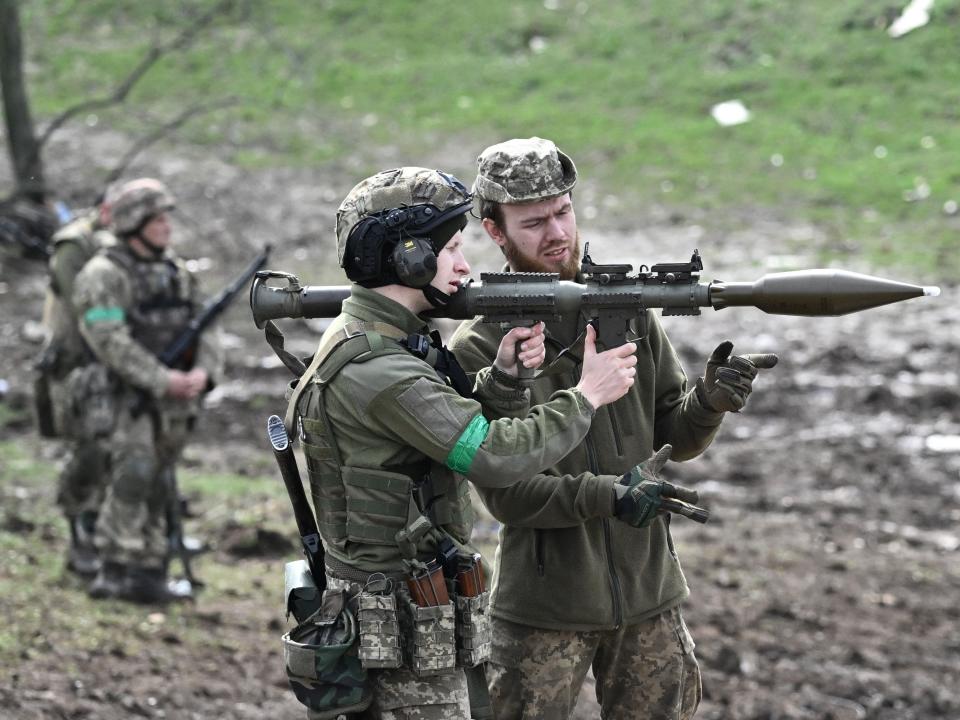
(640, 494)
(728, 380)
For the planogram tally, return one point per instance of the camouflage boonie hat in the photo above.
(523, 170)
(137, 202)
(399, 187)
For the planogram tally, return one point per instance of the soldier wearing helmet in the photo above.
(587, 576)
(132, 300)
(392, 433)
(83, 476)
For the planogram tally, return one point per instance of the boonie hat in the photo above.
(523, 170)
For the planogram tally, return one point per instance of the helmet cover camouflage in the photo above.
(523, 170)
(137, 202)
(398, 188)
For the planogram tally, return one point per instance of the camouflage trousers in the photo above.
(131, 528)
(401, 695)
(83, 478)
(643, 671)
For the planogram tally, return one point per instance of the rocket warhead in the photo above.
(815, 292)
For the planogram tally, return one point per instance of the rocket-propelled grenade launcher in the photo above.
(610, 296)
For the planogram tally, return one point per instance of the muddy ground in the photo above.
(825, 585)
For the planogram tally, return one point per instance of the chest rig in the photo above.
(161, 299)
(423, 508)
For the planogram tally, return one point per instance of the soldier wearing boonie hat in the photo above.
(581, 581)
(523, 190)
(393, 431)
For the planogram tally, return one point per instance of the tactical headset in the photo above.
(400, 245)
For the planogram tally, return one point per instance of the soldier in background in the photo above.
(82, 479)
(587, 576)
(132, 299)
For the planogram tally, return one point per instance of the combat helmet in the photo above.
(523, 170)
(138, 202)
(391, 226)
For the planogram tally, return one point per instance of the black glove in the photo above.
(728, 380)
(640, 493)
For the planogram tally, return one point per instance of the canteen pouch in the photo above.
(429, 632)
(322, 663)
(473, 629)
(379, 627)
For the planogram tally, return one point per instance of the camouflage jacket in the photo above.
(564, 561)
(130, 308)
(73, 245)
(391, 417)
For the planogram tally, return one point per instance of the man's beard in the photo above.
(519, 263)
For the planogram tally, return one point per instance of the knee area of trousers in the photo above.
(134, 475)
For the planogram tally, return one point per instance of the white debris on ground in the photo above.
(915, 15)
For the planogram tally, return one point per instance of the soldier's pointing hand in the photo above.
(728, 380)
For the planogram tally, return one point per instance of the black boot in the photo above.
(82, 557)
(110, 582)
(150, 586)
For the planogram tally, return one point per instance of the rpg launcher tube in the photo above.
(511, 297)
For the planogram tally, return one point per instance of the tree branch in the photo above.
(143, 143)
(119, 95)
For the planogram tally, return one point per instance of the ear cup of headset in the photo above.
(415, 261)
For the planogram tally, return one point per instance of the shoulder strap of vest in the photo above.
(368, 336)
(120, 257)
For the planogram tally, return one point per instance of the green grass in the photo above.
(626, 87)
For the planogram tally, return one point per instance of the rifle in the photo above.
(174, 516)
(306, 522)
(179, 354)
(609, 297)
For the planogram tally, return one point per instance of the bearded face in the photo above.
(540, 236)
(521, 261)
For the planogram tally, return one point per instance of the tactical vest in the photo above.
(366, 505)
(162, 306)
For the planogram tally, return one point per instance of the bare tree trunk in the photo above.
(21, 139)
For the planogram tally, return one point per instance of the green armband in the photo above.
(103, 314)
(461, 456)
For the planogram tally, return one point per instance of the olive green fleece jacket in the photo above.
(564, 562)
(393, 411)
